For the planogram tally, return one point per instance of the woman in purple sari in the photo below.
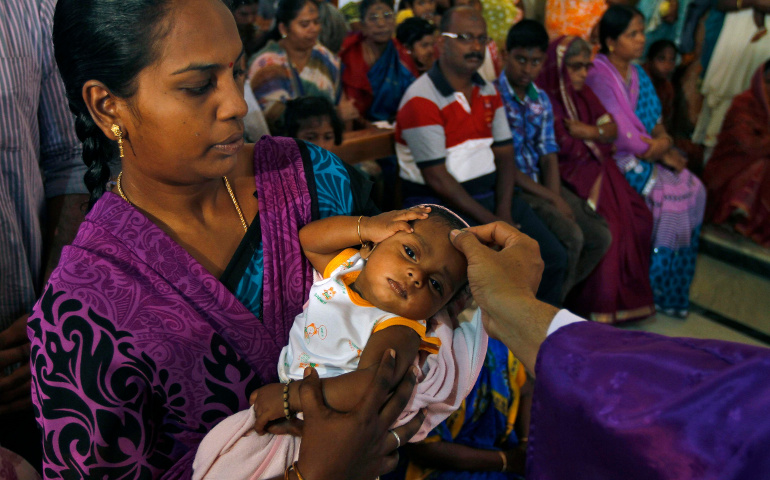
(172, 304)
(619, 288)
(645, 154)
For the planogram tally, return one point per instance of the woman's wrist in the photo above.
(599, 133)
(504, 460)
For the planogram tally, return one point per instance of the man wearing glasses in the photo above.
(454, 145)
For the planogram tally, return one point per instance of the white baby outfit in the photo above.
(336, 324)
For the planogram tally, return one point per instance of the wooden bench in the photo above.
(368, 144)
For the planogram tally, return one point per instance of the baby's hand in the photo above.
(385, 225)
(268, 406)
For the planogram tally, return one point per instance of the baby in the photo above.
(368, 301)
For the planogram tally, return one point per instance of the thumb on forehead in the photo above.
(467, 243)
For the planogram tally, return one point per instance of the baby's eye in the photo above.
(410, 253)
(435, 284)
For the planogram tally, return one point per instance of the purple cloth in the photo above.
(138, 351)
(281, 184)
(613, 404)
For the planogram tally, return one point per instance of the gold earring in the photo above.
(612, 49)
(116, 130)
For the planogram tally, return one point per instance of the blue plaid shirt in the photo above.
(531, 122)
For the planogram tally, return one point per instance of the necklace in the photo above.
(235, 203)
(227, 185)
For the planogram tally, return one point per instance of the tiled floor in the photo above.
(695, 325)
(731, 285)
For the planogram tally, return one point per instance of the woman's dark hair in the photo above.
(527, 34)
(110, 42)
(614, 22)
(413, 30)
(767, 67)
(286, 12)
(302, 109)
(233, 5)
(365, 5)
(659, 46)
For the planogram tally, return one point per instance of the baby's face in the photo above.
(414, 274)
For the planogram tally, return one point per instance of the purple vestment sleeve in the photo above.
(613, 404)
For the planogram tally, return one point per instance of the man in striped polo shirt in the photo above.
(454, 145)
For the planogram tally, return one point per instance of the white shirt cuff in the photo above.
(564, 317)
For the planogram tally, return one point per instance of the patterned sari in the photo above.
(619, 287)
(676, 200)
(376, 90)
(738, 174)
(138, 351)
(274, 80)
(485, 418)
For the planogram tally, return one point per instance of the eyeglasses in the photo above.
(577, 66)
(375, 17)
(467, 38)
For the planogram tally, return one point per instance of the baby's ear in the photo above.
(367, 250)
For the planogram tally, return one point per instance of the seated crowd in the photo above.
(579, 130)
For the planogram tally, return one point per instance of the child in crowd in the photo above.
(314, 120)
(416, 8)
(493, 62)
(660, 65)
(368, 301)
(418, 36)
(528, 110)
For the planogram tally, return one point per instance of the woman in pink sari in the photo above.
(644, 152)
(619, 287)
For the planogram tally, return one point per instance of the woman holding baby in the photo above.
(172, 305)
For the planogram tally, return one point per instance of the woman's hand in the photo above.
(674, 160)
(385, 225)
(358, 445)
(580, 130)
(346, 109)
(658, 146)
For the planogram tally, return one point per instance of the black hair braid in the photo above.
(109, 42)
(97, 150)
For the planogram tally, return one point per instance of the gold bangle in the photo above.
(286, 411)
(358, 229)
(505, 461)
(291, 467)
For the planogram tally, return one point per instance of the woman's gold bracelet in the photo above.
(358, 229)
(291, 467)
